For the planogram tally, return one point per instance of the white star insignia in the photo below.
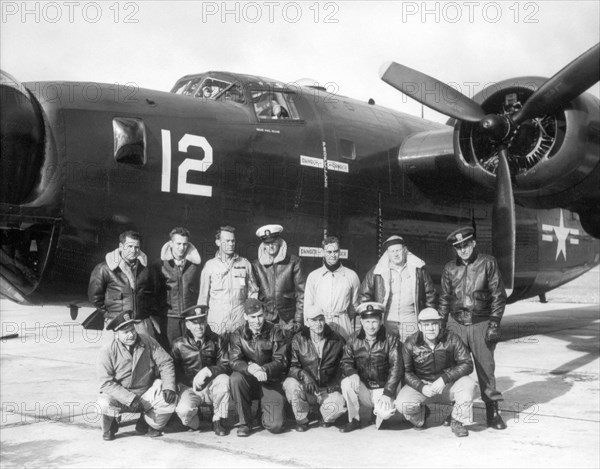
(562, 234)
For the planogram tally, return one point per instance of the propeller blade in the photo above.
(564, 86)
(503, 221)
(431, 92)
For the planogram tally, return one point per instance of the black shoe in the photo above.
(243, 430)
(301, 427)
(141, 427)
(219, 428)
(458, 429)
(113, 427)
(424, 425)
(493, 417)
(350, 426)
(324, 424)
(153, 433)
(446, 423)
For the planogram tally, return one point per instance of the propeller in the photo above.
(552, 96)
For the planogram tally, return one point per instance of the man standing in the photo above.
(123, 282)
(135, 375)
(280, 279)
(400, 282)
(314, 375)
(437, 367)
(472, 302)
(225, 283)
(334, 289)
(259, 360)
(372, 366)
(178, 278)
(202, 371)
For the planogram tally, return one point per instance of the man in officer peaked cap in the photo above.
(373, 369)
(472, 302)
(135, 375)
(280, 279)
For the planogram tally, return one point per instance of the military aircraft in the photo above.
(82, 162)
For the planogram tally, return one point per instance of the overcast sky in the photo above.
(340, 44)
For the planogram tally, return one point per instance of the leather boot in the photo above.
(493, 417)
(109, 427)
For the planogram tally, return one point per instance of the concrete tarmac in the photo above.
(547, 369)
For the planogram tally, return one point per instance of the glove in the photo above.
(493, 333)
(201, 379)
(334, 388)
(292, 327)
(254, 368)
(137, 405)
(310, 386)
(169, 396)
(261, 376)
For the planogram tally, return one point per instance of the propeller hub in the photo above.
(495, 126)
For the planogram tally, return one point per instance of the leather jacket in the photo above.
(109, 289)
(177, 288)
(379, 365)
(449, 360)
(281, 288)
(305, 364)
(189, 358)
(472, 292)
(268, 349)
(373, 287)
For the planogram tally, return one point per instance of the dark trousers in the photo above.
(175, 329)
(483, 356)
(245, 388)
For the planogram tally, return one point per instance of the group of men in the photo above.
(240, 331)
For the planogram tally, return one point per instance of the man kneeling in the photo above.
(315, 374)
(136, 375)
(373, 367)
(437, 368)
(202, 371)
(259, 360)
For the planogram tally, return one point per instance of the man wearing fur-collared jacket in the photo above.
(401, 282)
(123, 282)
(178, 277)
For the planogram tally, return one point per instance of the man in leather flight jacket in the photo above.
(202, 371)
(373, 368)
(401, 282)
(437, 368)
(178, 277)
(472, 302)
(124, 282)
(259, 359)
(314, 376)
(280, 279)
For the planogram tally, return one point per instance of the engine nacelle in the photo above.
(554, 159)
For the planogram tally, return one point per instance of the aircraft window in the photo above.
(232, 94)
(211, 88)
(274, 105)
(192, 87)
(181, 87)
(129, 140)
(348, 149)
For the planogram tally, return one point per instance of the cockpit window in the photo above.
(232, 94)
(207, 88)
(274, 105)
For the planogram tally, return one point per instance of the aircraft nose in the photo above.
(21, 141)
